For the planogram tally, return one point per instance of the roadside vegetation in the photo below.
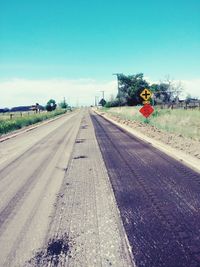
(19, 117)
(21, 120)
(171, 114)
(131, 86)
(165, 93)
(178, 121)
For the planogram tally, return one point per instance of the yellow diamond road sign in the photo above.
(146, 94)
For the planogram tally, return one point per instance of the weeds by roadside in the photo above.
(20, 122)
(182, 122)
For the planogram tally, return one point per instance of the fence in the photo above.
(17, 114)
(180, 105)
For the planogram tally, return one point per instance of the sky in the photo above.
(65, 48)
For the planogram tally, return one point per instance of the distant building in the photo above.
(4, 110)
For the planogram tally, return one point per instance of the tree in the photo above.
(51, 105)
(63, 104)
(174, 89)
(130, 88)
(113, 103)
(111, 98)
(167, 91)
(188, 99)
(161, 93)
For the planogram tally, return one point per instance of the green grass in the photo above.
(179, 121)
(6, 116)
(18, 122)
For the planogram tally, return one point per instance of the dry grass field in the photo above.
(178, 121)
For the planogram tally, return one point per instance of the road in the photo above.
(57, 207)
(158, 199)
(79, 191)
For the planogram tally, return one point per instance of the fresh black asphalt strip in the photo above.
(158, 198)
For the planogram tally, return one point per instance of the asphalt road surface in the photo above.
(158, 198)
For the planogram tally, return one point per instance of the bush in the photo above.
(51, 105)
(114, 103)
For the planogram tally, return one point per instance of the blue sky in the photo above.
(44, 40)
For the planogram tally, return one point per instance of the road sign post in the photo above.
(147, 109)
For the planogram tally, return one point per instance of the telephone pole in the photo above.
(102, 94)
(96, 100)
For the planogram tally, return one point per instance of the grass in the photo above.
(6, 116)
(179, 121)
(18, 122)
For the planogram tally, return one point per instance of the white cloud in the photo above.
(192, 87)
(17, 92)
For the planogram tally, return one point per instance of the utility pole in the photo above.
(96, 100)
(102, 94)
(77, 103)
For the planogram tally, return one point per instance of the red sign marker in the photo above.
(146, 110)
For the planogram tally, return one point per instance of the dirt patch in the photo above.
(56, 247)
(84, 126)
(79, 141)
(62, 169)
(60, 195)
(56, 251)
(80, 157)
(177, 141)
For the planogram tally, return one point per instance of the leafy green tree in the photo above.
(130, 88)
(63, 104)
(112, 103)
(154, 87)
(51, 105)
